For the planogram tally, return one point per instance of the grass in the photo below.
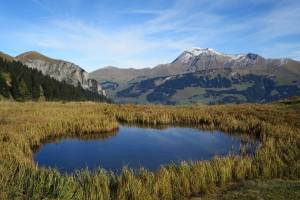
(25, 126)
(257, 190)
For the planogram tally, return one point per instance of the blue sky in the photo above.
(139, 33)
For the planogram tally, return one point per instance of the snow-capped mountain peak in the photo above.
(211, 52)
(198, 51)
(196, 59)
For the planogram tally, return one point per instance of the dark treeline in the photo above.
(21, 83)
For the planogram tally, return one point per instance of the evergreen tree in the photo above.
(30, 84)
(24, 91)
(15, 92)
(35, 87)
(41, 94)
(4, 89)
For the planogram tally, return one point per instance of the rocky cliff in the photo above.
(60, 70)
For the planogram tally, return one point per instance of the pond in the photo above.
(137, 147)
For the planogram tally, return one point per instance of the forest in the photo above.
(20, 83)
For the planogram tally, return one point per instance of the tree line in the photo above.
(21, 83)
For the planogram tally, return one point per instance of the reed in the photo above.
(25, 126)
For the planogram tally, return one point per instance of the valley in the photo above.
(150, 100)
(197, 76)
(62, 131)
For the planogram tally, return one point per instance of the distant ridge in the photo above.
(192, 60)
(198, 75)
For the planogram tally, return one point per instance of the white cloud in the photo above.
(121, 48)
(171, 30)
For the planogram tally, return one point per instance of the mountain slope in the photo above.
(205, 76)
(18, 82)
(117, 74)
(60, 70)
(6, 57)
(189, 61)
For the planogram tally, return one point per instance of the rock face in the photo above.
(60, 70)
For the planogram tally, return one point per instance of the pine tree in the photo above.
(24, 91)
(35, 87)
(15, 88)
(23, 83)
(4, 89)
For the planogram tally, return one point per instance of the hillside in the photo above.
(18, 82)
(204, 76)
(60, 70)
(6, 57)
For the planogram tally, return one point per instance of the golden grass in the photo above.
(24, 127)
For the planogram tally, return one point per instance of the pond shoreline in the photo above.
(133, 144)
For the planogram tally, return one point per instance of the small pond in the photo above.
(137, 147)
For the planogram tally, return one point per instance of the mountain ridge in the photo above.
(197, 75)
(18, 82)
(197, 71)
(186, 62)
(35, 55)
(60, 70)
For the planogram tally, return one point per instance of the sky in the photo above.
(144, 33)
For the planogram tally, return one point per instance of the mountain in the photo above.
(118, 74)
(60, 70)
(203, 75)
(21, 83)
(6, 57)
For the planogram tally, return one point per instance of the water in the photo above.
(136, 147)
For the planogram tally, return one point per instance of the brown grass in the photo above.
(24, 127)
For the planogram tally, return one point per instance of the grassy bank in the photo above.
(275, 189)
(24, 126)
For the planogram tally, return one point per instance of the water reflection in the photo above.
(138, 147)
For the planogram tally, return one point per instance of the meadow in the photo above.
(25, 126)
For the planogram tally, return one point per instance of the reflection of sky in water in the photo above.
(137, 147)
